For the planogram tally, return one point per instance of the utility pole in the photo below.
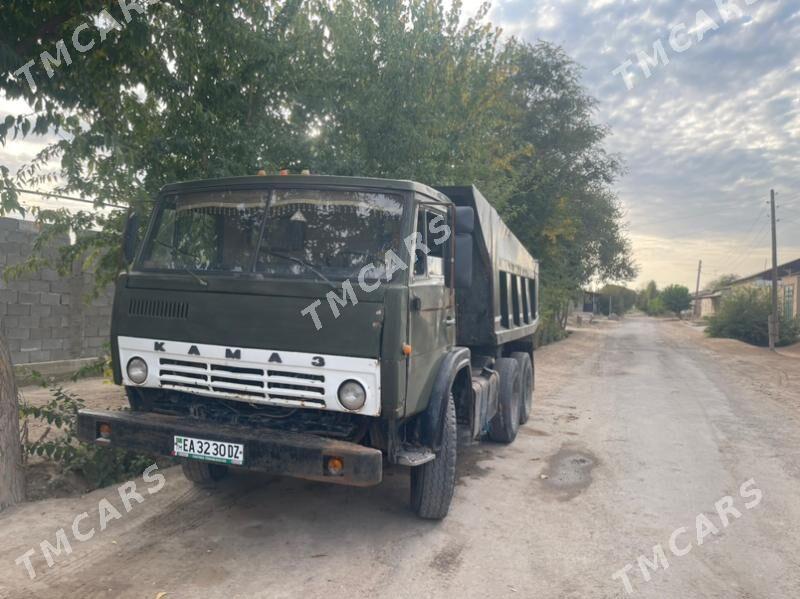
(774, 333)
(697, 292)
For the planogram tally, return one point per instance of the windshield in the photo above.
(283, 232)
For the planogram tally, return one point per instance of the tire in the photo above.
(432, 484)
(526, 386)
(505, 424)
(203, 474)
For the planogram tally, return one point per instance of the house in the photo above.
(590, 302)
(788, 285)
(709, 302)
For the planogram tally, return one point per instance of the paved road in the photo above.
(640, 429)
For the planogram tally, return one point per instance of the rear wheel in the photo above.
(432, 484)
(505, 424)
(203, 474)
(526, 385)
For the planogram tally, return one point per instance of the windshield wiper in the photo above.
(197, 277)
(307, 265)
(185, 269)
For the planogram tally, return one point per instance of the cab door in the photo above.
(431, 313)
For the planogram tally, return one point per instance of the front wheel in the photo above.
(203, 474)
(432, 484)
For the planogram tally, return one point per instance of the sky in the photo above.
(707, 122)
(705, 137)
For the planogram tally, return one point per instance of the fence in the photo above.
(45, 317)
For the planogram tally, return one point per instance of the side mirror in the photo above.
(130, 237)
(465, 220)
(464, 224)
(463, 267)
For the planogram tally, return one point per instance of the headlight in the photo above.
(137, 370)
(352, 395)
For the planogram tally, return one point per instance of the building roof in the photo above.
(785, 269)
(709, 294)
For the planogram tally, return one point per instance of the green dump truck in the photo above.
(321, 327)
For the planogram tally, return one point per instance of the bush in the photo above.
(744, 315)
(550, 329)
(655, 307)
(99, 466)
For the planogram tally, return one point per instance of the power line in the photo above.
(740, 258)
(735, 260)
(689, 216)
(60, 196)
(758, 239)
(677, 218)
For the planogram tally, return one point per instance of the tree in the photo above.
(403, 89)
(12, 476)
(676, 298)
(645, 296)
(615, 299)
(722, 281)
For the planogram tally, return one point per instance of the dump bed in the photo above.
(502, 304)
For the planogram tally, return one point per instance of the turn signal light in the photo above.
(334, 466)
(105, 430)
(284, 172)
(406, 349)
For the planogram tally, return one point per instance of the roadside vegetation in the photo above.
(656, 302)
(744, 315)
(55, 460)
(616, 299)
(676, 299)
(50, 443)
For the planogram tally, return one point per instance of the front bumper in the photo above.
(265, 450)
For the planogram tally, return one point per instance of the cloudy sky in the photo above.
(705, 136)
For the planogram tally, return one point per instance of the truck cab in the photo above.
(321, 327)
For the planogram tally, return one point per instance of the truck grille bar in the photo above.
(232, 381)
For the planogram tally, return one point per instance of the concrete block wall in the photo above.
(45, 317)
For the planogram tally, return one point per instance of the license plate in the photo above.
(221, 452)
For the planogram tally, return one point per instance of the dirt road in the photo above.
(641, 429)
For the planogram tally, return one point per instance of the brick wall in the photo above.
(45, 317)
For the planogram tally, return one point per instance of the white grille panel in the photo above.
(297, 380)
(251, 382)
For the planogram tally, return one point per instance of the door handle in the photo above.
(449, 321)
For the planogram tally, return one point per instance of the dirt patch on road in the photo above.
(449, 559)
(568, 472)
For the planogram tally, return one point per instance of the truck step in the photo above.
(414, 456)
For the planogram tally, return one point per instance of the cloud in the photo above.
(705, 137)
